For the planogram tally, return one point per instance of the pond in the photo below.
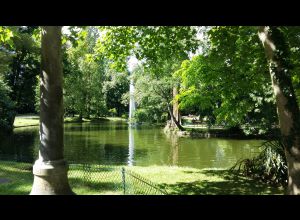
(116, 143)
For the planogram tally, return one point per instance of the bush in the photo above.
(141, 115)
(150, 115)
(7, 111)
(113, 112)
(125, 116)
(269, 166)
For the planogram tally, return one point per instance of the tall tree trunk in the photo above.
(50, 170)
(277, 52)
(174, 120)
(176, 112)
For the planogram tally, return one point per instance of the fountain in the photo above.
(132, 64)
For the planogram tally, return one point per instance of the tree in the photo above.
(278, 55)
(153, 95)
(86, 72)
(153, 45)
(154, 90)
(7, 108)
(115, 86)
(25, 66)
(238, 45)
(50, 170)
(229, 79)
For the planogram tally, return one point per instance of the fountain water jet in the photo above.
(132, 64)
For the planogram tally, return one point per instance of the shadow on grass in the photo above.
(88, 187)
(20, 180)
(230, 185)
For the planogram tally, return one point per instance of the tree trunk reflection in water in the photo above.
(174, 149)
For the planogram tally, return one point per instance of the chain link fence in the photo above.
(90, 179)
(109, 179)
(135, 184)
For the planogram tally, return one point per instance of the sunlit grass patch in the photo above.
(24, 122)
(34, 120)
(108, 181)
(20, 178)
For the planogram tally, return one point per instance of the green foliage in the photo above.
(124, 116)
(269, 166)
(231, 80)
(141, 115)
(5, 60)
(112, 112)
(151, 43)
(23, 67)
(150, 115)
(6, 35)
(5, 55)
(83, 81)
(7, 108)
(292, 35)
(115, 86)
(153, 94)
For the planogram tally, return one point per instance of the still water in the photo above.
(116, 143)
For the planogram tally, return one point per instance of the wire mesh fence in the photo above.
(135, 184)
(21, 163)
(89, 179)
(109, 179)
(95, 179)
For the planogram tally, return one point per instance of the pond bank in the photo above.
(34, 120)
(214, 133)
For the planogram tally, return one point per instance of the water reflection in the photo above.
(116, 143)
(174, 148)
(220, 156)
(19, 144)
(130, 146)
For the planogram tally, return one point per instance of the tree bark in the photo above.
(277, 52)
(174, 120)
(50, 170)
(176, 112)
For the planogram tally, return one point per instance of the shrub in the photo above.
(7, 111)
(125, 116)
(269, 166)
(113, 112)
(141, 115)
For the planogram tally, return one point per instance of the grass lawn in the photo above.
(26, 120)
(33, 120)
(16, 179)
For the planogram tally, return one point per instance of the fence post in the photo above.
(123, 180)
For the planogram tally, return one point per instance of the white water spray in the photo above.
(132, 64)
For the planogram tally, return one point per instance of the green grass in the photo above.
(25, 121)
(33, 120)
(19, 177)
(116, 119)
(175, 180)
(191, 181)
(75, 119)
